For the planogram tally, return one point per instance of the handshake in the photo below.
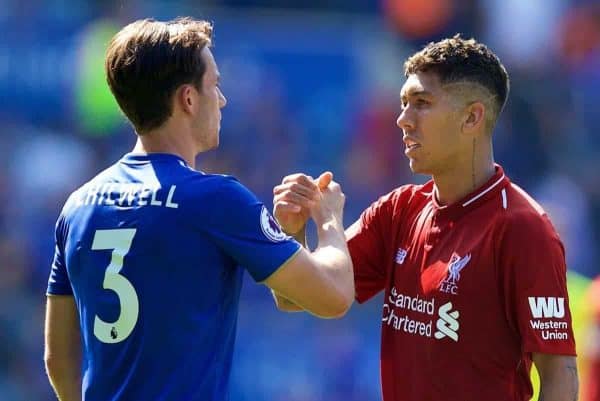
(324, 285)
(300, 197)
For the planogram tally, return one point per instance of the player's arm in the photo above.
(292, 201)
(320, 282)
(283, 303)
(62, 354)
(534, 276)
(558, 377)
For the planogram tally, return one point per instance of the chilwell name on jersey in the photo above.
(127, 194)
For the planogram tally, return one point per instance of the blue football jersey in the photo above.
(153, 253)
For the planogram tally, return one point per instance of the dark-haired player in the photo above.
(472, 270)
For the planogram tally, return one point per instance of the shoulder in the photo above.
(409, 195)
(527, 245)
(216, 198)
(67, 215)
(524, 222)
(524, 212)
(391, 208)
(520, 202)
(75, 198)
(219, 187)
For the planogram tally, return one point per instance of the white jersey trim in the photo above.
(504, 201)
(473, 199)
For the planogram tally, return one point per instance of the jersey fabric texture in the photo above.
(472, 289)
(152, 252)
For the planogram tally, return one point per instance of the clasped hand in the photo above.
(300, 197)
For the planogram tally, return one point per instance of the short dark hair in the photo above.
(148, 60)
(463, 60)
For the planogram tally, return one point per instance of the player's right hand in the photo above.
(294, 198)
(330, 207)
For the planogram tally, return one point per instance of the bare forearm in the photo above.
(62, 352)
(333, 254)
(559, 391)
(65, 378)
(282, 303)
(300, 236)
(560, 384)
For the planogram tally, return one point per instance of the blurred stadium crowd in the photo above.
(311, 85)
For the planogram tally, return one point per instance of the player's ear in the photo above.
(186, 96)
(473, 118)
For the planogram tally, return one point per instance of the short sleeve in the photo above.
(58, 282)
(532, 260)
(366, 243)
(245, 230)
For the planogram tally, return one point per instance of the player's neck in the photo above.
(455, 183)
(167, 139)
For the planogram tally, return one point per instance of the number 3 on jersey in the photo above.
(119, 240)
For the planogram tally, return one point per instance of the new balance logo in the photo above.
(447, 325)
(401, 255)
(547, 307)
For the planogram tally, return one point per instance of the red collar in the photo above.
(490, 189)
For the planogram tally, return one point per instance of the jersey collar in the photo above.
(491, 189)
(144, 158)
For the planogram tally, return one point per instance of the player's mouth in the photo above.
(411, 145)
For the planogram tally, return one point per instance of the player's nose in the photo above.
(404, 122)
(222, 99)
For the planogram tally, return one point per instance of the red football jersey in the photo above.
(471, 290)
